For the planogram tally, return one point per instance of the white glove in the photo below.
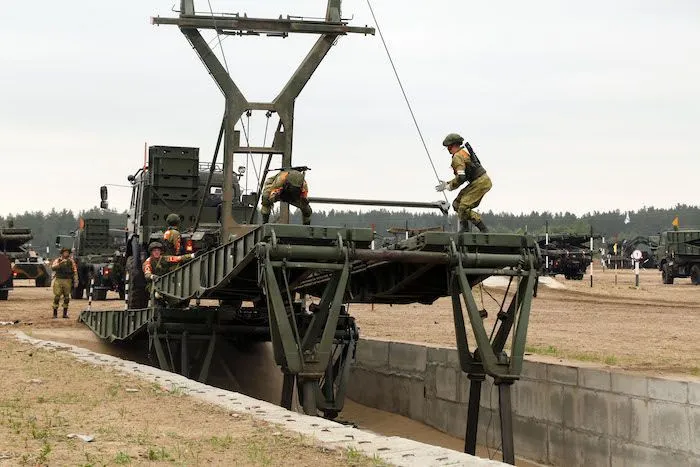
(194, 254)
(443, 186)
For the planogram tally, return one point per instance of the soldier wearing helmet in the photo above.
(290, 187)
(65, 278)
(467, 168)
(158, 263)
(172, 238)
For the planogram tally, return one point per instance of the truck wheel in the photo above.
(666, 275)
(77, 293)
(695, 274)
(138, 298)
(3, 294)
(99, 294)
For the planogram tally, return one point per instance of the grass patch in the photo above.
(122, 458)
(159, 454)
(552, 351)
(221, 442)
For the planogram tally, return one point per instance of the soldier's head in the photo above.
(65, 253)
(155, 249)
(173, 220)
(453, 142)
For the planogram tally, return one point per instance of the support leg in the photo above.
(287, 391)
(506, 415)
(162, 361)
(204, 373)
(184, 355)
(473, 412)
(309, 397)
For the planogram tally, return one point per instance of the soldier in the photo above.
(172, 236)
(290, 187)
(158, 264)
(466, 168)
(66, 275)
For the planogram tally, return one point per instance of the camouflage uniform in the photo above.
(66, 276)
(467, 169)
(172, 238)
(288, 186)
(153, 268)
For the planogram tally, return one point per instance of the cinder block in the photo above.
(453, 359)
(489, 394)
(437, 413)
(400, 396)
(437, 355)
(669, 426)
(430, 380)
(457, 420)
(530, 438)
(668, 390)
(407, 357)
(694, 393)
(489, 432)
(594, 379)
(555, 412)
(639, 421)
(562, 374)
(634, 455)
(372, 354)
(695, 431)
(534, 371)
(464, 384)
(632, 385)
(588, 449)
(446, 383)
(359, 386)
(586, 409)
(557, 451)
(531, 399)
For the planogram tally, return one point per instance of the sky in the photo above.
(571, 106)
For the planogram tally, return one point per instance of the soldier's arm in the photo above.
(55, 263)
(147, 269)
(180, 259)
(459, 164)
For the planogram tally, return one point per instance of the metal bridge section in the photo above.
(329, 30)
(290, 284)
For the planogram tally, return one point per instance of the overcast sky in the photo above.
(574, 106)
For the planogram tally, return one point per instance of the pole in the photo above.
(126, 291)
(92, 288)
(546, 242)
(636, 273)
(374, 232)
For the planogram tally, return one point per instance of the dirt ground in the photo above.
(45, 396)
(653, 329)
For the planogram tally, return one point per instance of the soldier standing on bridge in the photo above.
(172, 235)
(66, 277)
(158, 264)
(290, 187)
(467, 168)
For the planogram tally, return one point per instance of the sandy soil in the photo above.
(655, 328)
(46, 396)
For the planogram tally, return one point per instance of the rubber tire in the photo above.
(99, 294)
(138, 297)
(578, 277)
(4, 294)
(666, 277)
(77, 293)
(695, 274)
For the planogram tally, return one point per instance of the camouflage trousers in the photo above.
(61, 287)
(302, 204)
(470, 197)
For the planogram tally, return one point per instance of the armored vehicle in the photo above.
(5, 276)
(678, 255)
(646, 244)
(33, 267)
(25, 263)
(174, 181)
(565, 254)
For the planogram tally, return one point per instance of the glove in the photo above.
(194, 254)
(152, 277)
(443, 186)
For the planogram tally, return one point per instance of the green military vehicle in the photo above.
(678, 255)
(25, 263)
(6, 283)
(98, 259)
(174, 181)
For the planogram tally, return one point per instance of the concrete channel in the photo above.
(563, 414)
(395, 450)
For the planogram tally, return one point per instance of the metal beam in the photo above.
(441, 205)
(228, 24)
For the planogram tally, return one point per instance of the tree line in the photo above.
(611, 224)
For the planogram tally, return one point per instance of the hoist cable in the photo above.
(405, 96)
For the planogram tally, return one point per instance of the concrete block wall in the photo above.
(562, 415)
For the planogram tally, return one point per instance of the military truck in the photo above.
(646, 244)
(565, 254)
(678, 255)
(174, 181)
(98, 259)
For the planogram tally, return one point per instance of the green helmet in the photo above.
(173, 219)
(452, 138)
(65, 249)
(153, 246)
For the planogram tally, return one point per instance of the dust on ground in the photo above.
(654, 328)
(47, 395)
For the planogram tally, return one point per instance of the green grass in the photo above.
(159, 454)
(122, 458)
(552, 351)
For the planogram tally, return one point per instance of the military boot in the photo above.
(65, 312)
(464, 226)
(55, 313)
(482, 228)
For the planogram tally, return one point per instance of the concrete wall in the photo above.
(563, 415)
